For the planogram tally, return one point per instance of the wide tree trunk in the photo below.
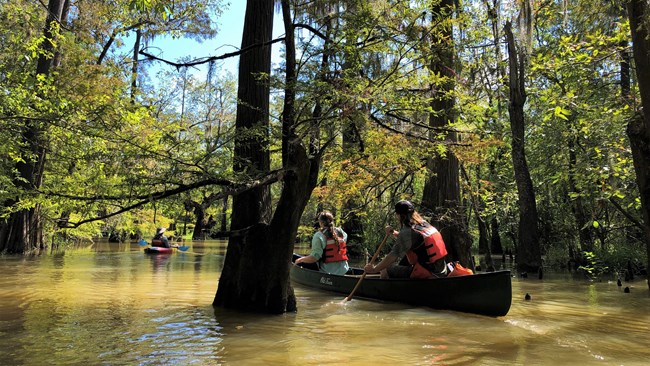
(638, 129)
(256, 273)
(199, 222)
(22, 231)
(441, 194)
(528, 252)
(248, 255)
(495, 239)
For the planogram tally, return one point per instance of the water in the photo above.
(110, 304)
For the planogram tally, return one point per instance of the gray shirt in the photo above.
(402, 242)
(407, 238)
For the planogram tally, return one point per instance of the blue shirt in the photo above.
(318, 243)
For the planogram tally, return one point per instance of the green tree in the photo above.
(441, 195)
(22, 231)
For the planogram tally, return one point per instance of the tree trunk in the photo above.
(528, 252)
(134, 66)
(638, 130)
(199, 223)
(22, 231)
(256, 275)
(352, 128)
(441, 194)
(224, 217)
(246, 275)
(495, 243)
(577, 206)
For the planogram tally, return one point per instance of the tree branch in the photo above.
(632, 219)
(117, 31)
(407, 134)
(213, 58)
(233, 190)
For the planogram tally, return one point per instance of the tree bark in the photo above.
(249, 251)
(577, 206)
(256, 274)
(528, 252)
(441, 193)
(199, 222)
(352, 128)
(223, 215)
(638, 129)
(495, 239)
(22, 231)
(134, 66)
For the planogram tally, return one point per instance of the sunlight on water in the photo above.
(112, 304)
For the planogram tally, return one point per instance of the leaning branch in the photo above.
(629, 216)
(111, 39)
(213, 58)
(410, 135)
(233, 190)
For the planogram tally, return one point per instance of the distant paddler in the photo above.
(160, 240)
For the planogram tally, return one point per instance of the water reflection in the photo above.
(95, 305)
(159, 261)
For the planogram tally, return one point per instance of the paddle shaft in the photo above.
(364, 272)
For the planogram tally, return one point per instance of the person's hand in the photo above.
(299, 260)
(369, 268)
(389, 230)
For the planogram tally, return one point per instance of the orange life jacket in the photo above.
(432, 247)
(335, 250)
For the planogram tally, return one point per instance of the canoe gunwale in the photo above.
(488, 293)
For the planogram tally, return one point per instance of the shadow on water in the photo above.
(113, 304)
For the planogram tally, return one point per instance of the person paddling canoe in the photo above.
(418, 241)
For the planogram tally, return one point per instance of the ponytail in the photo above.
(410, 218)
(327, 219)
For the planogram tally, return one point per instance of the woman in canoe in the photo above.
(416, 240)
(328, 247)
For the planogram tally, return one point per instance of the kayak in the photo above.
(488, 293)
(159, 250)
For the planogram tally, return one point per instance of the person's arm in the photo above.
(316, 250)
(397, 252)
(385, 263)
(306, 259)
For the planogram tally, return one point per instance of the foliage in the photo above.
(103, 149)
(114, 147)
(593, 266)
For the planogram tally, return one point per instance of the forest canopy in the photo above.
(394, 99)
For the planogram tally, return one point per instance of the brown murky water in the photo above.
(110, 304)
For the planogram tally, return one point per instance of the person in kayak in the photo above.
(160, 240)
(417, 241)
(328, 247)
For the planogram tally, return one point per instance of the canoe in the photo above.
(159, 250)
(487, 293)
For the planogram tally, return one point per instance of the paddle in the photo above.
(364, 272)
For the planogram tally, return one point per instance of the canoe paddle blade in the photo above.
(183, 248)
(142, 242)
